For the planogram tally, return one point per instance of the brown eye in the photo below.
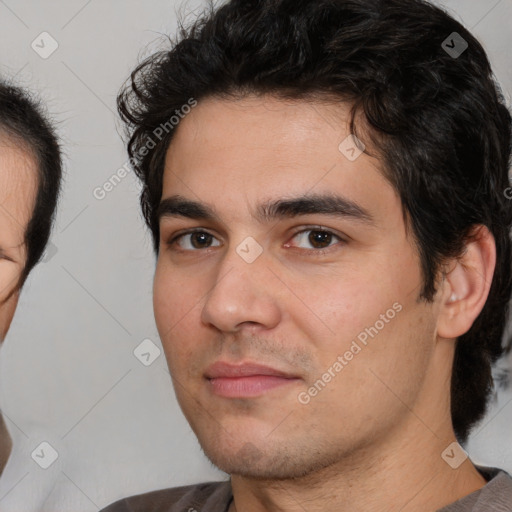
(317, 238)
(193, 240)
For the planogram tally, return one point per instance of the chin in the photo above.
(269, 463)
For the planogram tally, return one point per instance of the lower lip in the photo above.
(241, 387)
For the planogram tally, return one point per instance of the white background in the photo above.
(68, 375)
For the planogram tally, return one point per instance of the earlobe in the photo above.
(466, 285)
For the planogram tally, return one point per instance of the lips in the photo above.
(248, 387)
(221, 369)
(246, 380)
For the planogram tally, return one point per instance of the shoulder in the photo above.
(188, 498)
(497, 494)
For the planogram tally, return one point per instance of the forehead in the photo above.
(18, 184)
(261, 131)
(240, 153)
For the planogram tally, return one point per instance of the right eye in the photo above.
(195, 239)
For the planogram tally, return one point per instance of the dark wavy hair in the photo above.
(24, 121)
(438, 122)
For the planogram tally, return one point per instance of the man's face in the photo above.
(18, 181)
(245, 289)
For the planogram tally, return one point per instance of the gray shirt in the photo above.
(495, 496)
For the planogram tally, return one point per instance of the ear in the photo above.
(466, 285)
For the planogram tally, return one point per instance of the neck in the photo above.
(5, 444)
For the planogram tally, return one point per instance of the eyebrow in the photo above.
(325, 204)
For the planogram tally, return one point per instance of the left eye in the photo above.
(318, 238)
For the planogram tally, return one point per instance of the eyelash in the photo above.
(317, 252)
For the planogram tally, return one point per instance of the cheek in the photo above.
(9, 274)
(372, 304)
(7, 310)
(332, 308)
(175, 303)
(170, 297)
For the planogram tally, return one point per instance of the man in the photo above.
(333, 271)
(30, 180)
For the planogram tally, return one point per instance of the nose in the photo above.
(244, 293)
